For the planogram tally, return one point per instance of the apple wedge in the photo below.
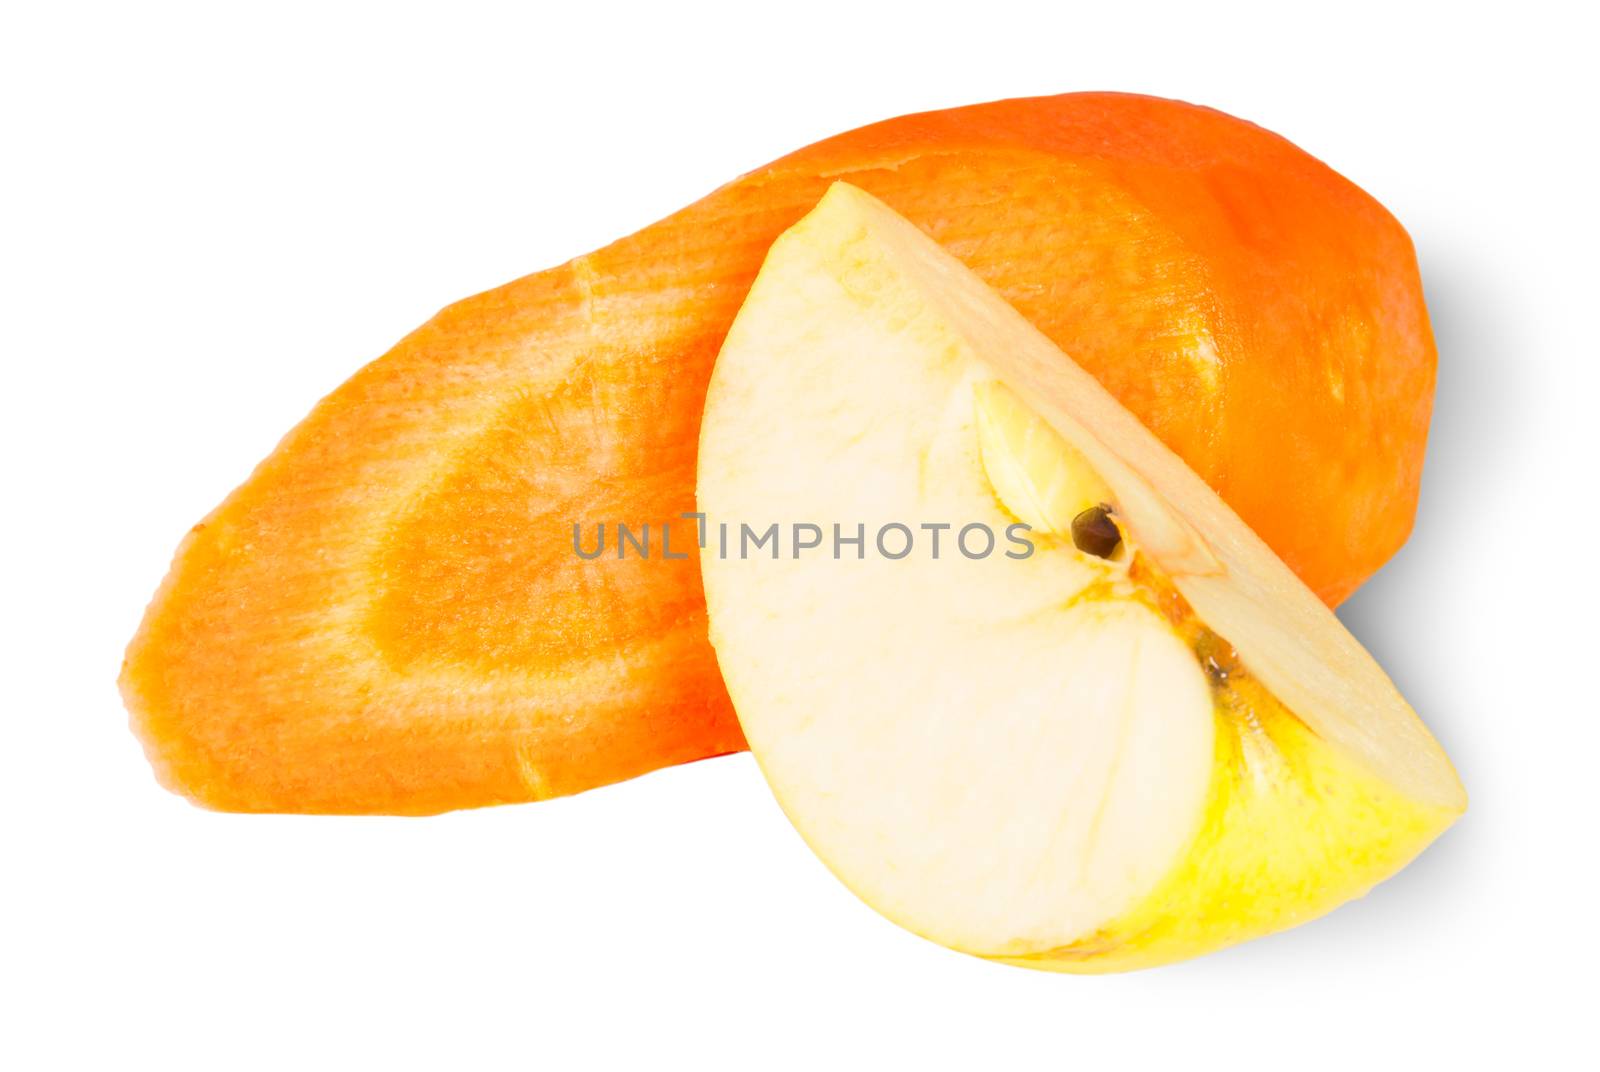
(1015, 673)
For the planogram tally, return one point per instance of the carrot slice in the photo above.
(389, 615)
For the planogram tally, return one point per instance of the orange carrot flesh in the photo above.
(389, 615)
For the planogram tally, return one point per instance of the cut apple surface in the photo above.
(1122, 735)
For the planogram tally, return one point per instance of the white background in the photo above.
(213, 214)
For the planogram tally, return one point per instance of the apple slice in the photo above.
(1017, 675)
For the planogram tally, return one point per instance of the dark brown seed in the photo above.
(1217, 657)
(1094, 533)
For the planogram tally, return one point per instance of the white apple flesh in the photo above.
(1017, 756)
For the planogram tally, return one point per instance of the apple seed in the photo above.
(1094, 533)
